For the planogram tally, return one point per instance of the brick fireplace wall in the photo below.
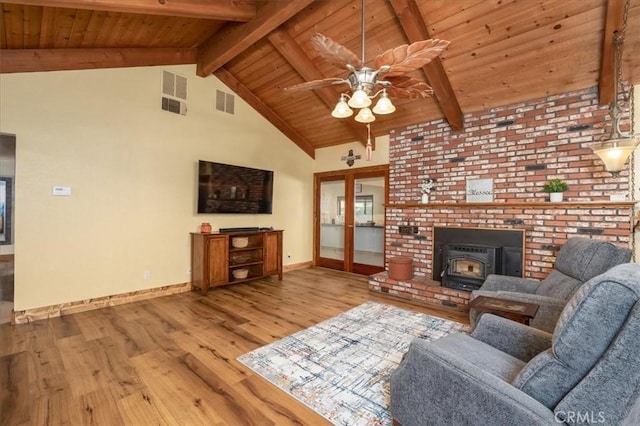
(520, 147)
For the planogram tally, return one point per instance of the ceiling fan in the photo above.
(365, 83)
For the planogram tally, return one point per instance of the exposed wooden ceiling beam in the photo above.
(35, 60)
(232, 40)
(613, 23)
(298, 59)
(224, 10)
(414, 27)
(227, 78)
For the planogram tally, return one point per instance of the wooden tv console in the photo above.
(216, 262)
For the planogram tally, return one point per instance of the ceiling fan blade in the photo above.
(410, 57)
(408, 87)
(334, 52)
(316, 84)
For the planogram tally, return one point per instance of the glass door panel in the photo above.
(332, 225)
(369, 217)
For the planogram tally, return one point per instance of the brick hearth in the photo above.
(420, 289)
(520, 147)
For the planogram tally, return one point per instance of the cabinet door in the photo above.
(218, 260)
(273, 253)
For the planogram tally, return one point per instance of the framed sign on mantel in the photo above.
(479, 190)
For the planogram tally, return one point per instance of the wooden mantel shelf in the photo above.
(511, 204)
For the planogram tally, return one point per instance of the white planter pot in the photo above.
(425, 199)
(555, 197)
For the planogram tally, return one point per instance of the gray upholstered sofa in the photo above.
(579, 260)
(506, 373)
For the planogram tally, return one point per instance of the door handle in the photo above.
(350, 226)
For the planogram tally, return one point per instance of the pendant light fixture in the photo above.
(617, 147)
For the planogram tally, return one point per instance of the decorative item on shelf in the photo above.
(617, 147)
(426, 186)
(238, 260)
(205, 228)
(555, 188)
(479, 190)
(240, 242)
(240, 274)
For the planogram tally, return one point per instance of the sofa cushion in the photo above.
(579, 260)
(499, 364)
(584, 258)
(558, 286)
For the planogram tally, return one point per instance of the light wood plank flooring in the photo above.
(172, 360)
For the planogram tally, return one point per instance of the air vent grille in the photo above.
(174, 93)
(225, 102)
(174, 85)
(174, 105)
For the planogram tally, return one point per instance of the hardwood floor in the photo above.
(172, 360)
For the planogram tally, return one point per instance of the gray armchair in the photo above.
(579, 260)
(506, 373)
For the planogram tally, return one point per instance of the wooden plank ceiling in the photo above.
(501, 51)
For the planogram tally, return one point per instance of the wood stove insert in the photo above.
(464, 257)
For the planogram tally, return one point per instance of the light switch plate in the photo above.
(61, 191)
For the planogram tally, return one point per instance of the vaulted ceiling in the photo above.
(501, 51)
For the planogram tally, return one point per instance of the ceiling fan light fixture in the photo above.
(359, 99)
(342, 109)
(384, 105)
(365, 116)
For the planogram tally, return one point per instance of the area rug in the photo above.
(340, 368)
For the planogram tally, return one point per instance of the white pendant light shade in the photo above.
(614, 153)
(342, 109)
(365, 116)
(359, 99)
(384, 105)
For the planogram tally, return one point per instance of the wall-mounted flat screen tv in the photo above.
(225, 188)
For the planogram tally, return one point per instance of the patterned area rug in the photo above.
(340, 368)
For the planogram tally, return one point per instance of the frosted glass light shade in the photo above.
(365, 116)
(342, 109)
(614, 153)
(384, 105)
(359, 99)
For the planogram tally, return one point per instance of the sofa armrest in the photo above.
(518, 340)
(495, 282)
(433, 386)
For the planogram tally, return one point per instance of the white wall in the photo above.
(132, 171)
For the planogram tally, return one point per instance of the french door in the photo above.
(349, 219)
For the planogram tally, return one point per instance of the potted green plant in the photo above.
(555, 188)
